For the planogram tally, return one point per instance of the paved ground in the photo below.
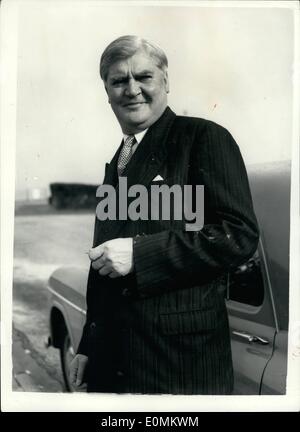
(44, 241)
(30, 371)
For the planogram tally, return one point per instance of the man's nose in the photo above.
(132, 88)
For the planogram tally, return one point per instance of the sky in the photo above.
(230, 65)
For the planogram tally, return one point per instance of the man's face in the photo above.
(137, 91)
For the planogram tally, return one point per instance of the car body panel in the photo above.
(249, 359)
(274, 378)
(262, 369)
(270, 187)
(67, 286)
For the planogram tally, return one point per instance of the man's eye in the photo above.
(145, 77)
(118, 81)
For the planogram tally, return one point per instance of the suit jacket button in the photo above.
(126, 292)
(92, 327)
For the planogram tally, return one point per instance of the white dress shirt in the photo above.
(138, 136)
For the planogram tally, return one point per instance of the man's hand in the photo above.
(113, 258)
(77, 369)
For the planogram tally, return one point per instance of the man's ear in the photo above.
(107, 93)
(166, 81)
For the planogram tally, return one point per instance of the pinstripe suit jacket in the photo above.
(164, 327)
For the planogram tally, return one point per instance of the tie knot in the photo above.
(126, 153)
(130, 140)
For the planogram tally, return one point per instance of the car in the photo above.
(257, 295)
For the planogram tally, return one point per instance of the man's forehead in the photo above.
(138, 63)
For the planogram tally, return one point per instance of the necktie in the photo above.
(126, 153)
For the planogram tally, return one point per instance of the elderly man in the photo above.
(156, 316)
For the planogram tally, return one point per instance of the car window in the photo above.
(245, 283)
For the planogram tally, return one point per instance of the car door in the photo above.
(252, 322)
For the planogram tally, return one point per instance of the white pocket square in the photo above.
(157, 178)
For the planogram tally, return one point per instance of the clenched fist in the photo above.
(113, 257)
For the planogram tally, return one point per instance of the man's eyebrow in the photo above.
(145, 72)
(124, 75)
(118, 75)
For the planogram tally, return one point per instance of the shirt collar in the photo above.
(138, 136)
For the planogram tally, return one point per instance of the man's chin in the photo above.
(137, 119)
(137, 112)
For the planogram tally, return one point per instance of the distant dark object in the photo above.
(72, 195)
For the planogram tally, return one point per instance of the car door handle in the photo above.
(251, 338)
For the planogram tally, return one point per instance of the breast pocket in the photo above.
(165, 203)
(189, 331)
(188, 322)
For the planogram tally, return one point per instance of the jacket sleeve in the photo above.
(171, 259)
(83, 346)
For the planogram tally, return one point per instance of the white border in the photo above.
(9, 50)
(34, 402)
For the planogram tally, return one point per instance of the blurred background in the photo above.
(230, 65)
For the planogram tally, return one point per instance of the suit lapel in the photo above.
(111, 176)
(151, 152)
(145, 162)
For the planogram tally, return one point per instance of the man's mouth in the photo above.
(133, 104)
